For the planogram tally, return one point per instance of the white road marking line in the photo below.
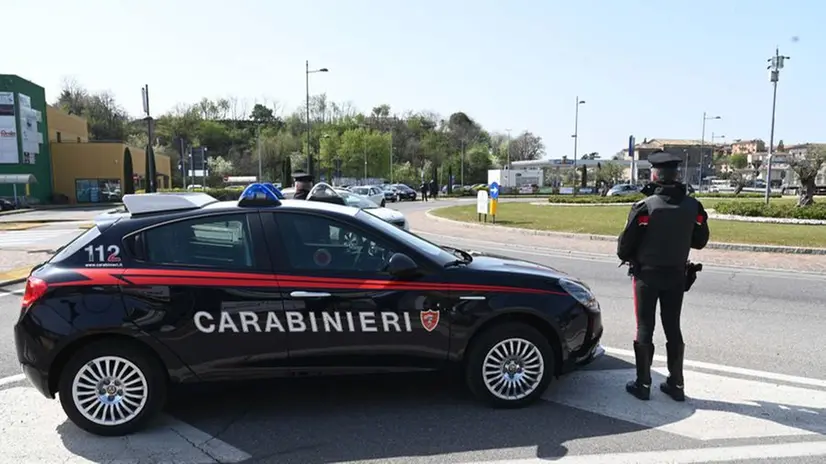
(12, 379)
(686, 456)
(13, 292)
(730, 369)
(717, 408)
(36, 430)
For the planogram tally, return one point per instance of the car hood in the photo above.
(387, 214)
(483, 261)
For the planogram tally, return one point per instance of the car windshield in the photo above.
(435, 252)
(357, 201)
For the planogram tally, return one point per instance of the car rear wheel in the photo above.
(509, 366)
(111, 389)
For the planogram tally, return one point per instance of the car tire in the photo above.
(497, 341)
(139, 370)
(383, 203)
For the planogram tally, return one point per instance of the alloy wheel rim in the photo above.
(110, 390)
(513, 369)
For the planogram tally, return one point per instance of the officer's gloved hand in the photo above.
(649, 188)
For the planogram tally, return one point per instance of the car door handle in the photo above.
(299, 294)
(472, 297)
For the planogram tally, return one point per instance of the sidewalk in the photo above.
(762, 260)
(16, 264)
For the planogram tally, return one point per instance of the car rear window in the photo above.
(76, 245)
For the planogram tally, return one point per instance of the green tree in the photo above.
(738, 161)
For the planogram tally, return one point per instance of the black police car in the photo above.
(183, 288)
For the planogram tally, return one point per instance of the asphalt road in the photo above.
(754, 377)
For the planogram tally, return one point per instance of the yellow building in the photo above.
(95, 172)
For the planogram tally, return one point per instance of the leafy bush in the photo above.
(772, 210)
(592, 199)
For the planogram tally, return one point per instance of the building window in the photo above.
(97, 190)
(58, 138)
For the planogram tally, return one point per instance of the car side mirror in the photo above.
(401, 265)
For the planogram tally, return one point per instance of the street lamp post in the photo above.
(576, 133)
(702, 147)
(775, 65)
(307, 87)
(508, 165)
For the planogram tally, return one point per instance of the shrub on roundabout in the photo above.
(596, 199)
(773, 210)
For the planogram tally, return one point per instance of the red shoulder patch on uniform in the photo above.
(699, 219)
(642, 221)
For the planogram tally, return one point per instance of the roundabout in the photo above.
(605, 221)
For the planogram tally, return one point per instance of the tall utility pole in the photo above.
(150, 155)
(775, 65)
(576, 134)
(183, 163)
(307, 87)
(260, 163)
(702, 147)
(203, 167)
(508, 165)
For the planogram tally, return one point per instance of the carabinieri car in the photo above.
(179, 288)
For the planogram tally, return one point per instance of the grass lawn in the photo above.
(610, 220)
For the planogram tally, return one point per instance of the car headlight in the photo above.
(580, 293)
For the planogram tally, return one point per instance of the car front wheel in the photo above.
(110, 388)
(509, 366)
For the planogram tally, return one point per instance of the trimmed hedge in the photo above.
(596, 199)
(772, 210)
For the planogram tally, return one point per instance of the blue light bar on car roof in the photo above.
(258, 195)
(275, 190)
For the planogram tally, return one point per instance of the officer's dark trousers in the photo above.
(666, 287)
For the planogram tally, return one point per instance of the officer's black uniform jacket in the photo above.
(663, 228)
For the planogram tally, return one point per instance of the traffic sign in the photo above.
(494, 191)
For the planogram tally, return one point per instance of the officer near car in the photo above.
(303, 185)
(660, 232)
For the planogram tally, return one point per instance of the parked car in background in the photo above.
(390, 193)
(406, 192)
(370, 191)
(623, 190)
(357, 201)
(6, 205)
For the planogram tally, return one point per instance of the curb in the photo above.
(609, 238)
(15, 211)
(14, 276)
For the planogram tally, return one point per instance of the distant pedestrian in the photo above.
(424, 188)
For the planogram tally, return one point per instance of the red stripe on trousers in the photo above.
(636, 307)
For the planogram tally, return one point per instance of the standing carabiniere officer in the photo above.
(660, 232)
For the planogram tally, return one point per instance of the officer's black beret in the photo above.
(301, 176)
(663, 159)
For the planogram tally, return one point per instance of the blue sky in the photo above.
(647, 68)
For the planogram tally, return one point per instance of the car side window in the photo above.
(216, 241)
(317, 243)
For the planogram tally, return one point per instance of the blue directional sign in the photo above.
(494, 191)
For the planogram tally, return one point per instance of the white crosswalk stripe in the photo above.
(18, 238)
(721, 415)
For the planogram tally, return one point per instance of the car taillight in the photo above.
(35, 289)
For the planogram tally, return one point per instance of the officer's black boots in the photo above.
(673, 386)
(641, 387)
